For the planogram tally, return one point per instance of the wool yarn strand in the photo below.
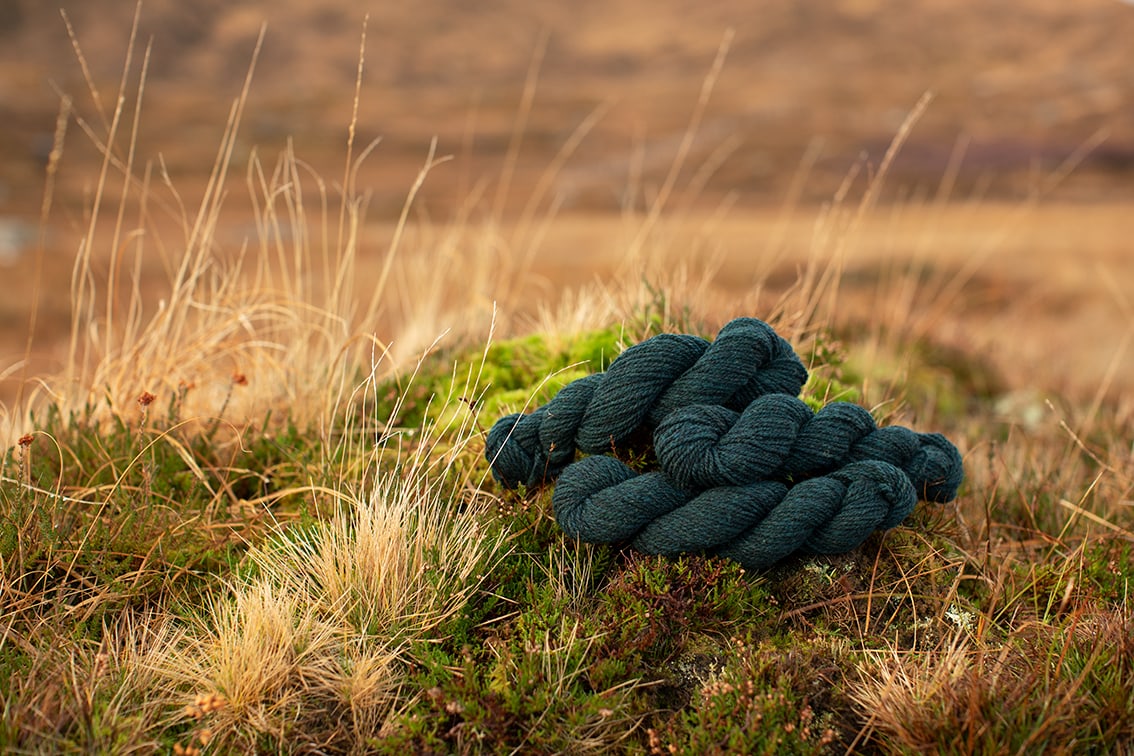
(639, 389)
(779, 437)
(601, 500)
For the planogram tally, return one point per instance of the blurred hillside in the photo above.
(1019, 86)
(809, 93)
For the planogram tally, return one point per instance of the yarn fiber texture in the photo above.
(779, 437)
(747, 470)
(601, 500)
(640, 388)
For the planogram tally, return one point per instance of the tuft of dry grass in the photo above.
(312, 641)
(971, 696)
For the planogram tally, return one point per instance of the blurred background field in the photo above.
(259, 303)
(1010, 199)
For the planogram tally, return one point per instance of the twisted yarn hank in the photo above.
(779, 437)
(601, 500)
(642, 386)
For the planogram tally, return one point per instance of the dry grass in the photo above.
(313, 644)
(313, 641)
(970, 696)
(279, 315)
(997, 624)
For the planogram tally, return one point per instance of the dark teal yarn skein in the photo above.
(601, 500)
(779, 437)
(643, 385)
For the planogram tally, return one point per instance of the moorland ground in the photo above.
(248, 509)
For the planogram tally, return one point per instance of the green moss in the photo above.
(516, 375)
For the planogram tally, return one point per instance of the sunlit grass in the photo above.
(313, 640)
(252, 512)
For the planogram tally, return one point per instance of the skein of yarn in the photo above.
(641, 387)
(779, 437)
(601, 500)
(747, 470)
